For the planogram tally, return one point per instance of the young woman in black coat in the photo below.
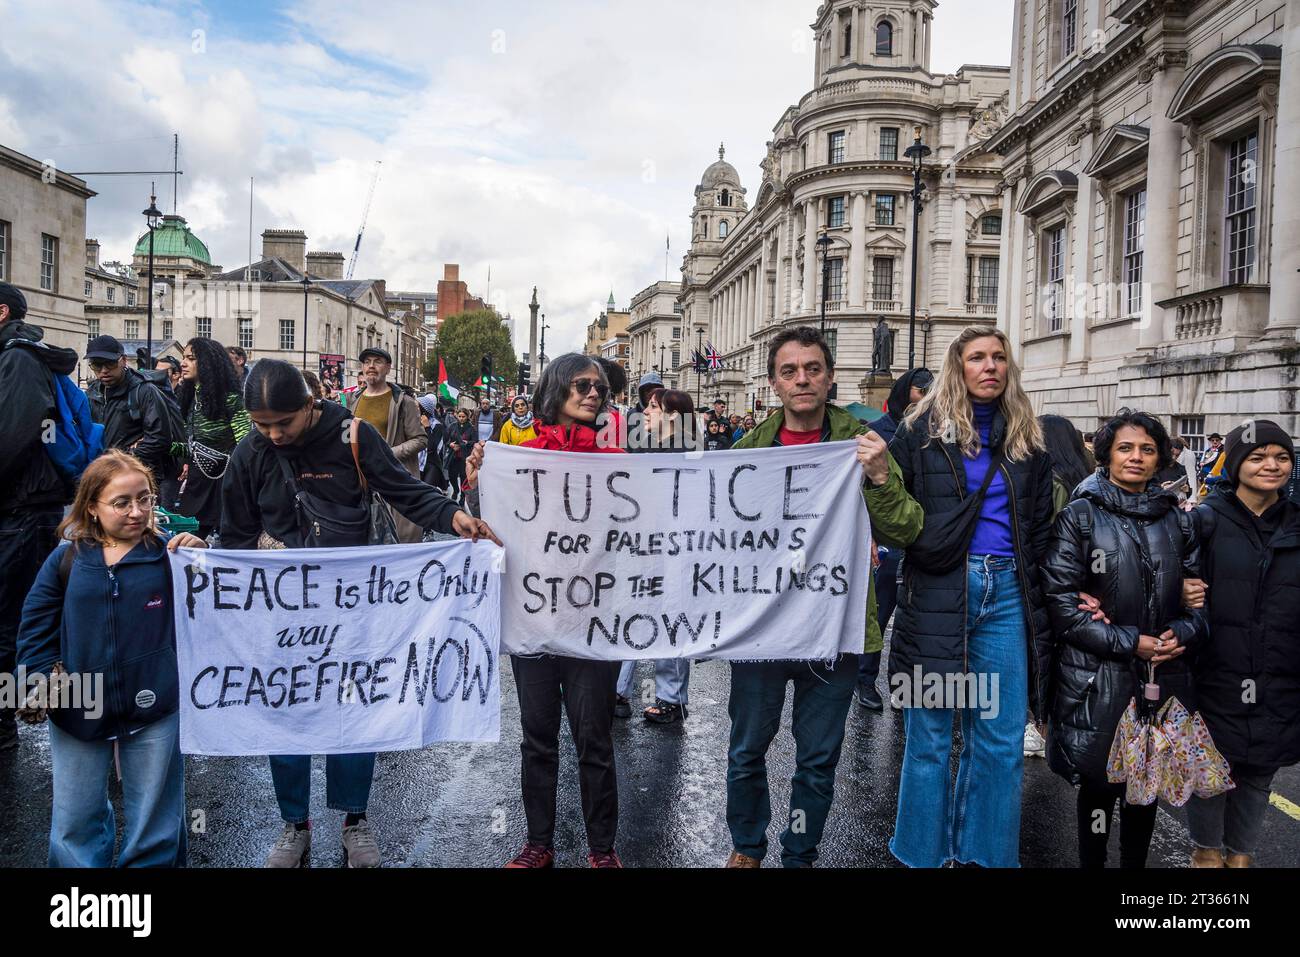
(1248, 669)
(1123, 540)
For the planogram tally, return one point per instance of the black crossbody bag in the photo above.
(946, 537)
(326, 524)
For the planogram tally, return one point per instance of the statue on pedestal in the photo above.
(882, 350)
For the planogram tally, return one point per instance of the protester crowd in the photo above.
(1070, 574)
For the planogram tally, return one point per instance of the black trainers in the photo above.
(869, 697)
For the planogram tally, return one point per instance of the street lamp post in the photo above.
(824, 245)
(699, 374)
(306, 284)
(151, 216)
(662, 368)
(917, 153)
(541, 359)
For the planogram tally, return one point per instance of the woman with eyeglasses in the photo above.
(1124, 541)
(215, 422)
(572, 394)
(101, 607)
(521, 427)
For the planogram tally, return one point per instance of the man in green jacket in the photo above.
(801, 370)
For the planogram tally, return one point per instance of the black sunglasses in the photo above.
(584, 387)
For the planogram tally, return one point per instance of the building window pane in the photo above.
(92, 328)
(245, 333)
(1069, 27)
(726, 198)
(1055, 292)
(677, 358)
(90, 288)
(111, 292)
(131, 329)
(848, 40)
(168, 327)
(836, 212)
(884, 39)
(882, 279)
(49, 262)
(722, 229)
(286, 333)
(130, 297)
(1240, 202)
(1135, 214)
(1192, 429)
(889, 143)
(203, 328)
(991, 225)
(885, 210)
(837, 147)
(835, 280)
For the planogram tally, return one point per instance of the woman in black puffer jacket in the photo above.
(1124, 541)
(1248, 669)
(983, 621)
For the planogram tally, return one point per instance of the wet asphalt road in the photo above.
(458, 805)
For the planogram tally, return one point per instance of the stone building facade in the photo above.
(607, 334)
(43, 245)
(836, 167)
(1152, 178)
(112, 290)
(656, 334)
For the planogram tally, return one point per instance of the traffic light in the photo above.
(487, 369)
(525, 374)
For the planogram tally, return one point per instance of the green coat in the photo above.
(896, 517)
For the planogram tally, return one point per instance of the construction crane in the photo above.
(374, 180)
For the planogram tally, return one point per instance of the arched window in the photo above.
(884, 38)
(726, 198)
(722, 229)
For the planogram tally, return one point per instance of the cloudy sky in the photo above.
(557, 142)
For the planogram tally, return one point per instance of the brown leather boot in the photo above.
(1238, 860)
(1207, 857)
(742, 861)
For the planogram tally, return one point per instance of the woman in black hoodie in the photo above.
(294, 483)
(1248, 670)
(1124, 540)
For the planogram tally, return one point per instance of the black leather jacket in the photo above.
(1131, 551)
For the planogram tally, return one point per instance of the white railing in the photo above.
(886, 305)
(981, 308)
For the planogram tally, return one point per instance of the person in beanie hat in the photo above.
(34, 491)
(1249, 535)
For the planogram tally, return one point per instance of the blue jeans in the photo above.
(822, 693)
(153, 799)
(347, 784)
(672, 679)
(980, 822)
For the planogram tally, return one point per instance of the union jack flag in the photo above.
(713, 358)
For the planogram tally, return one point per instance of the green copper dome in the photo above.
(172, 237)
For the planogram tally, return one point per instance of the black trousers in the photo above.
(1137, 822)
(26, 540)
(586, 689)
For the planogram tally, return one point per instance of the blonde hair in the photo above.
(949, 404)
(81, 525)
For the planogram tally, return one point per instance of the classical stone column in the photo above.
(1164, 148)
(1080, 292)
(904, 204)
(809, 257)
(1010, 277)
(1284, 270)
(857, 250)
(957, 255)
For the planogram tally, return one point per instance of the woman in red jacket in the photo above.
(571, 406)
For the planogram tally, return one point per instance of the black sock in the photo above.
(353, 819)
(302, 826)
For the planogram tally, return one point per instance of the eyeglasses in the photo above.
(124, 506)
(584, 387)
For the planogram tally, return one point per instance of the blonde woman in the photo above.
(970, 604)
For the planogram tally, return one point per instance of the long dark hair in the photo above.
(275, 386)
(553, 385)
(1105, 437)
(1071, 461)
(217, 376)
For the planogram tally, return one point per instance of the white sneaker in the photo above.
(1035, 746)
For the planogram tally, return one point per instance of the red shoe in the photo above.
(604, 859)
(532, 856)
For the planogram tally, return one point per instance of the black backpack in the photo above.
(173, 423)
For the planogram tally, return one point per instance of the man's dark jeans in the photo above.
(26, 540)
(822, 695)
(586, 689)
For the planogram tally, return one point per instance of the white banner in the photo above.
(750, 555)
(337, 651)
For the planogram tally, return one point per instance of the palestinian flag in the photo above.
(445, 388)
